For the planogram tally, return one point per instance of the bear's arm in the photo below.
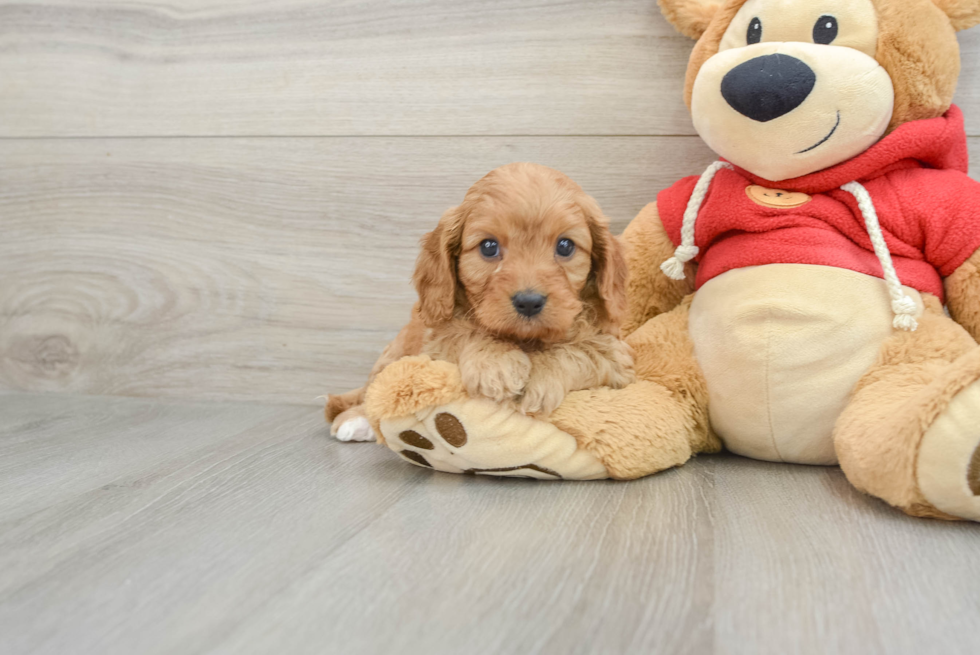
(963, 295)
(649, 291)
(945, 208)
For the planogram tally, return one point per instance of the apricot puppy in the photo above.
(523, 287)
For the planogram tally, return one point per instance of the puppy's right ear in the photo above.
(689, 17)
(435, 270)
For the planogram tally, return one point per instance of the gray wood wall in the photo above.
(221, 199)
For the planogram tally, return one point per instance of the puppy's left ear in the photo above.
(964, 14)
(608, 268)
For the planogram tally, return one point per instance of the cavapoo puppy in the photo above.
(523, 287)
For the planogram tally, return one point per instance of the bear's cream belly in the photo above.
(782, 347)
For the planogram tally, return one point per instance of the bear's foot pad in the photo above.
(949, 457)
(480, 437)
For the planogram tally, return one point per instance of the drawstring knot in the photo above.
(905, 310)
(674, 267)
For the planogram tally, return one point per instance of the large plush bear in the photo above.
(822, 248)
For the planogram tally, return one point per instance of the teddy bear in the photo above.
(812, 297)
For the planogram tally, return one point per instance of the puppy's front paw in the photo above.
(622, 372)
(500, 377)
(542, 395)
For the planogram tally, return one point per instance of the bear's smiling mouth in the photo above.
(825, 139)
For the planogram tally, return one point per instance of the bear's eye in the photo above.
(565, 247)
(755, 31)
(489, 248)
(825, 31)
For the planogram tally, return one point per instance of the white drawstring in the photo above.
(904, 307)
(674, 267)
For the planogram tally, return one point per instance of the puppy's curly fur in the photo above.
(501, 241)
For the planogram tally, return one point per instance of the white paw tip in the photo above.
(356, 429)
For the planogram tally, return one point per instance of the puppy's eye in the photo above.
(755, 31)
(489, 248)
(825, 31)
(565, 247)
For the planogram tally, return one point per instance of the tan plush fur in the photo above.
(410, 384)
(665, 355)
(963, 14)
(918, 47)
(963, 295)
(917, 374)
(708, 42)
(647, 242)
(636, 431)
(465, 313)
(654, 424)
(689, 17)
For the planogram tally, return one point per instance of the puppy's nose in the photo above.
(528, 303)
(768, 87)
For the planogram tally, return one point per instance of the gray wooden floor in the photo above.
(137, 526)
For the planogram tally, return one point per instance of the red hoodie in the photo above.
(929, 209)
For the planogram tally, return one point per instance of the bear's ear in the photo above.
(964, 14)
(691, 17)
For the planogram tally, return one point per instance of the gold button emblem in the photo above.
(777, 198)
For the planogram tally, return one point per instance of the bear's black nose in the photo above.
(528, 303)
(768, 87)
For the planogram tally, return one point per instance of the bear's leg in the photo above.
(911, 433)
(422, 411)
(654, 424)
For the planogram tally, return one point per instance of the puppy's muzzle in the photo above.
(528, 303)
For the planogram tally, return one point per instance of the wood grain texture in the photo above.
(365, 67)
(833, 567)
(249, 269)
(263, 269)
(265, 536)
(274, 269)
